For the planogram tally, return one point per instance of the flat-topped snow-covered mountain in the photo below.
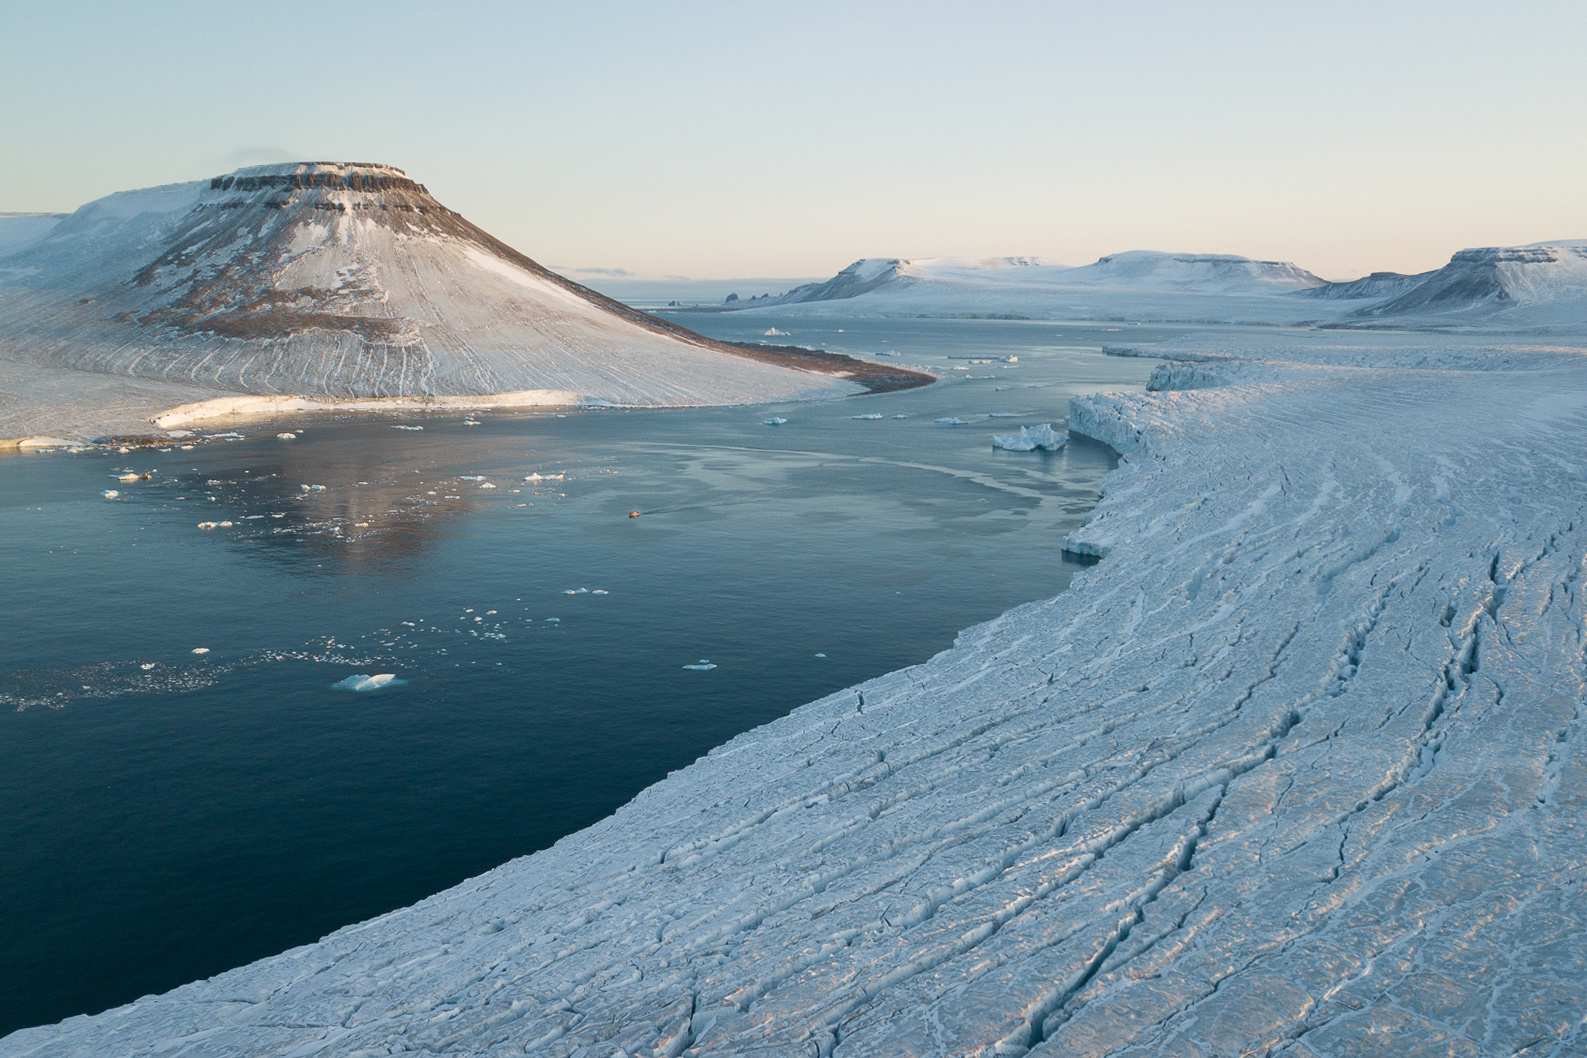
(1543, 285)
(344, 281)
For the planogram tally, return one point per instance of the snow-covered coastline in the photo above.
(1294, 770)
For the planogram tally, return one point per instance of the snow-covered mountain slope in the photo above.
(1139, 285)
(1298, 768)
(18, 230)
(347, 281)
(1542, 285)
(1539, 287)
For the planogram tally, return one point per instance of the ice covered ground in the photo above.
(1295, 769)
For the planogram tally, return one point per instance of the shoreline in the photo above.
(831, 373)
(1310, 728)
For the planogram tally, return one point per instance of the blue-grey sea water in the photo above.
(184, 787)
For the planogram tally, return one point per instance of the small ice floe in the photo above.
(486, 485)
(775, 420)
(404, 427)
(362, 682)
(146, 666)
(701, 666)
(1006, 415)
(576, 591)
(775, 333)
(952, 420)
(600, 591)
(1029, 438)
(206, 525)
(471, 422)
(872, 415)
(312, 488)
(110, 494)
(130, 476)
(471, 477)
(553, 620)
(820, 655)
(544, 477)
(900, 416)
(185, 448)
(286, 437)
(201, 650)
(178, 434)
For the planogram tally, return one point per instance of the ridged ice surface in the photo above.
(1296, 769)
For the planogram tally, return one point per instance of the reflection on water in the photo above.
(183, 788)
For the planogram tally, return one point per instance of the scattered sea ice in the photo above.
(201, 650)
(775, 420)
(900, 416)
(820, 655)
(206, 525)
(400, 427)
(952, 420)
(775, 333)
(600, 591)
(110, 494)
(576, 591)
(129, 476)
(872, 415)
(312, 488)
(553, 620)
(362, 682)
(701, 666)
(471, 477)
(286, 437)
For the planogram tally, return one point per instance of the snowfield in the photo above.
(1295, 770)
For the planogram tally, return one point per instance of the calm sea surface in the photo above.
(183, 789)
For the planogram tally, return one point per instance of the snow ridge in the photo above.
(1295, 770)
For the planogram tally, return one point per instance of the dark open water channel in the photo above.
(166, 815)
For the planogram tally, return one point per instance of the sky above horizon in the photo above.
(724, 140)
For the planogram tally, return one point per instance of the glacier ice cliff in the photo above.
(1296, 770)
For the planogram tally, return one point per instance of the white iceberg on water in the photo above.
(362, 682)
(1030, 438)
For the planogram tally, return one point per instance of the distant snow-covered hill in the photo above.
(1508, 288)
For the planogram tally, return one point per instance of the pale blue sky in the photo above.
(709, 139)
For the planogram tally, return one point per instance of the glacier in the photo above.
(1295, 769)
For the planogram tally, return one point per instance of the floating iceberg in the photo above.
(362, 682)
(701, 666)
(775, 420)
(471, 477)
(407, 427)
(110, 494)
(952, 420)
(872, 415)
(775, 333)
(286, 437)
(1029, 438)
